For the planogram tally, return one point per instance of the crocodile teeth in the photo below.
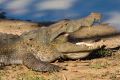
(83, 43)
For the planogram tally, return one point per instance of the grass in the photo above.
(105, 52)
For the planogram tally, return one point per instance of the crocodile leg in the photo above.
(35, 64)
(70, 47)
(20, 56)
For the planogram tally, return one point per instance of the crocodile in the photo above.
(37, 48)
(73, 25)
(34, 54)
(8, 38)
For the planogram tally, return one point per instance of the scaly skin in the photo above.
(7, 38)
(36, 49)
(68, 26)
(33, 54)
(30, 54)
(48, 34)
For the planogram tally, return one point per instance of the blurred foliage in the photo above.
(2, 15)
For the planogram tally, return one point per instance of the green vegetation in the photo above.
(105, 52)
